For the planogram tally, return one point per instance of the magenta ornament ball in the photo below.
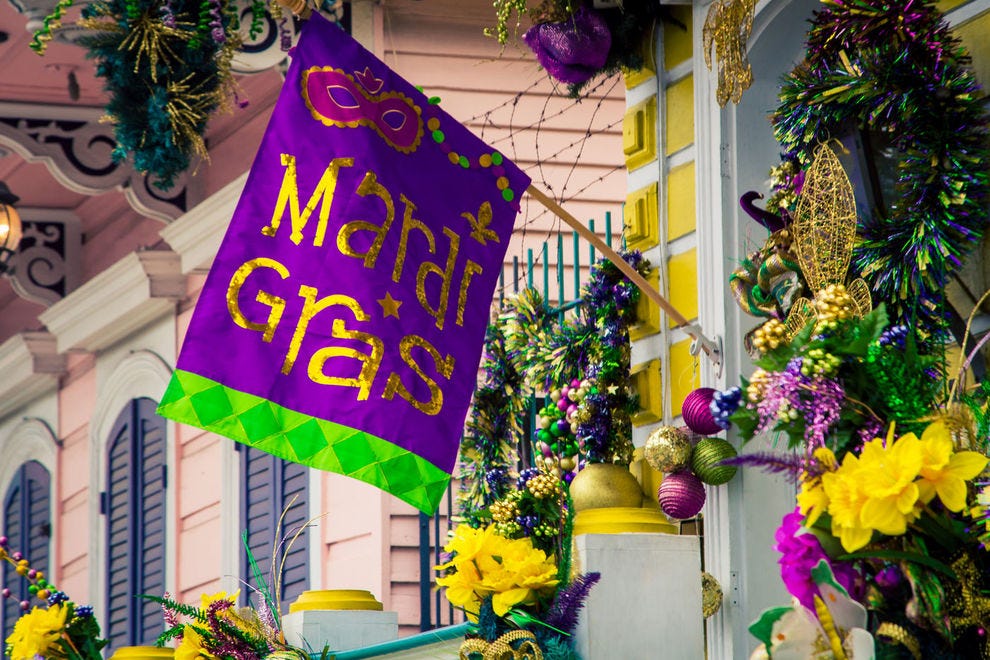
(697, 414)
(681, 495)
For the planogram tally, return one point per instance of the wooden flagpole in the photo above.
(710, 348)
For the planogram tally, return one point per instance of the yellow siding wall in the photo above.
(680, 115)
(680, 201)
(660, 216)
(677, 38)
(682, 272)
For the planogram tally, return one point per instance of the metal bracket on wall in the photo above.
(711, 347)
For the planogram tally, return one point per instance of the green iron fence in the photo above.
(546, 269)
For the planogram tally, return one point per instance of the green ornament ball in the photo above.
(667, 449)
(708, 453)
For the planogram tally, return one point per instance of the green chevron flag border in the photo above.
(249, 419)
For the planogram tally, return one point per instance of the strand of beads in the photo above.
(39, 587)
(557, 423)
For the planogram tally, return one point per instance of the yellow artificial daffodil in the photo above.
(885, 487)
(36, 633)
(887, 473)
(812, 499)
(875, 491)
(945, 472)
(484, 564)
(845, 503)
(192, 646)
(467, 542)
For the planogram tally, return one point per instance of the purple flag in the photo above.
(342, 321)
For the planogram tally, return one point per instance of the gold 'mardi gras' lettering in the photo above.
(316, 368)
(324, 365)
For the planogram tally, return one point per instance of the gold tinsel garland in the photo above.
(727, 26)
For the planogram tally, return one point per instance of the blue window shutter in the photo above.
(295, 577)
(26, 519)
(151, 525)
(268, 485)
(13, 525)
(135, 522)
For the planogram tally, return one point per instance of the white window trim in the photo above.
(140, 374)
(32, 439)
(31, 367)
(720, 225)
(196, 237)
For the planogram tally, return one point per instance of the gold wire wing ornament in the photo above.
(824, 233)
(728, 25)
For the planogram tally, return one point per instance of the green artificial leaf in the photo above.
(900, 555)
(172, 633)
(823, 532)
(762, 628)
(776, 359)
(523, 619)
(866, 331)
(802, 338)
(744, 418)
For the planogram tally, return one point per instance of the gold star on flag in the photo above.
(390, 306)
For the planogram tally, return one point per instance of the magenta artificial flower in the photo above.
(800, 552)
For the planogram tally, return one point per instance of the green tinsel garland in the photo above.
(894, 68)
(494, 429)
(549, 352)
(167, 69)
(530, 351)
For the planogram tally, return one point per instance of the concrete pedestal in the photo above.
(341, 630)
(648, 601)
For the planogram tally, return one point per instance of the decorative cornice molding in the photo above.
(196, 235)
(136, 290)
(78, 151)
(31, 365)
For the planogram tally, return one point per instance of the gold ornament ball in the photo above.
(711, 595)
(602, 485)
(667, 449)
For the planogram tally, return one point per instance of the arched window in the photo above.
(134, 506)
(268, 485)
(27, 525)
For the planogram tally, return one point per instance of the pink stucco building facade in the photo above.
(113, 501)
